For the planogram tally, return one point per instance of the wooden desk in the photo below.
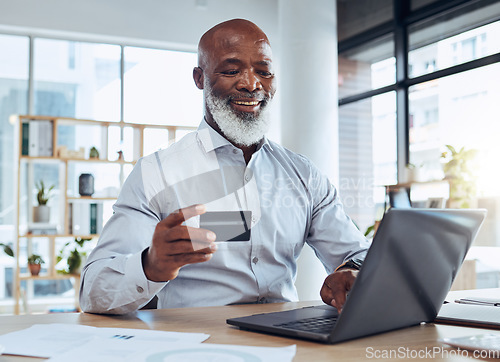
(212, 320)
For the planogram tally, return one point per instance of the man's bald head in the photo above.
(235, 71)
(224, 34)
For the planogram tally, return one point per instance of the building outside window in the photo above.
(441, 62)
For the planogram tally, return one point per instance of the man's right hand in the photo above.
(172, 245)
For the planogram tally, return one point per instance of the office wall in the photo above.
(168, 22)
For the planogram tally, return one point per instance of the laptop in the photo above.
(407, 273)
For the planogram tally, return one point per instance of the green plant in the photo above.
(94, 153)
(35, 259)
(7, 249)
(74, 257)
(43, 194)
(459, 171)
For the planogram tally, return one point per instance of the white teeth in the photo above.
(254, 103)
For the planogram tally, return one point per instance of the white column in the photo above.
(308, 94)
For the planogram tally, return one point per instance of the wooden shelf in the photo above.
(58, 236)
(91, 160)
(64, 202)
(103, 198)
(48, 276)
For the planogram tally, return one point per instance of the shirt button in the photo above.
(254, 218)
(255, 260)
(262, 300)
(247, 177)
(235, 151)
(140, 289)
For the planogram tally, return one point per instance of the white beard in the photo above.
(245, 130)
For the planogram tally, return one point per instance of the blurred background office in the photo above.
(372, 91)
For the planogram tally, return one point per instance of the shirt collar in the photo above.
(211, 139)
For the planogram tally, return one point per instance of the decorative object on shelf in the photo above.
(7, 249)
(75, 258)
(94, 153)
(86, 184)
(35, 264)
(459, 171)
(41, 213)
(414, 172)
(63, 152)
(120, 155)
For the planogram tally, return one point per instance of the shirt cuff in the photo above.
(143, 287)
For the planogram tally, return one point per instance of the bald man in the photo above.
(154, 246)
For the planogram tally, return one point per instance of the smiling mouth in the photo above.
(245, 103)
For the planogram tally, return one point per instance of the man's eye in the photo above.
(230, 72)
(266, 74)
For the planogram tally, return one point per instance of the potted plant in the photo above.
(94, 153)
(35, 264)
(41, 213)
(75, 258)
(459, 171)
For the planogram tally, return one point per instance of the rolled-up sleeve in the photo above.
(113, 280)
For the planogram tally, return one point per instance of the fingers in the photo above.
(181, 232)
(181, 215)
(336, 286)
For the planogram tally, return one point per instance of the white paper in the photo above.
(99, 350)
(48, 340)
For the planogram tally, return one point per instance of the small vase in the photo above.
(86, 184)
(41, 213)
(35, 269)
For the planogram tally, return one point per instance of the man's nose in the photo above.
(249, 81)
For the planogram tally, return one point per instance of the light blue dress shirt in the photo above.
(292, 203)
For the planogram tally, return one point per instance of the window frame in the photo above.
(403, 18)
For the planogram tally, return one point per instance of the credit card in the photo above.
(228, 225)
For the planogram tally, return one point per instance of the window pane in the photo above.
(159, 87)
(416, 4)
(367, 132)
(462, 111)
(155, 139)
(367, 67)
(442, 43)
(73, 79)
(356, 16)
(14, 54)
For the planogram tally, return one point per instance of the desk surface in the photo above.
(212, 320)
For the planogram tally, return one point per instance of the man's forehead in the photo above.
(235, 45)
(234, 39)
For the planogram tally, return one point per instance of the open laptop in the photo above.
(404, 280)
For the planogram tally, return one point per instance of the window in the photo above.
(367, 134)
(14, 70)
(85, 80)
(75, 79)
(444, 90)
(159, 88)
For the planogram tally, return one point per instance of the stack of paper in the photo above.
(65, 342)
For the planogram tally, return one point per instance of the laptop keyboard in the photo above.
(314, 325)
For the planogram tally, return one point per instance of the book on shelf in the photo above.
(85, 218)
(39, 137)
(25, 140)
(42, 229)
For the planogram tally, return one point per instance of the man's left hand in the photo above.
(336, 286)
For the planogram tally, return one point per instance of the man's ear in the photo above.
(198, 77)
